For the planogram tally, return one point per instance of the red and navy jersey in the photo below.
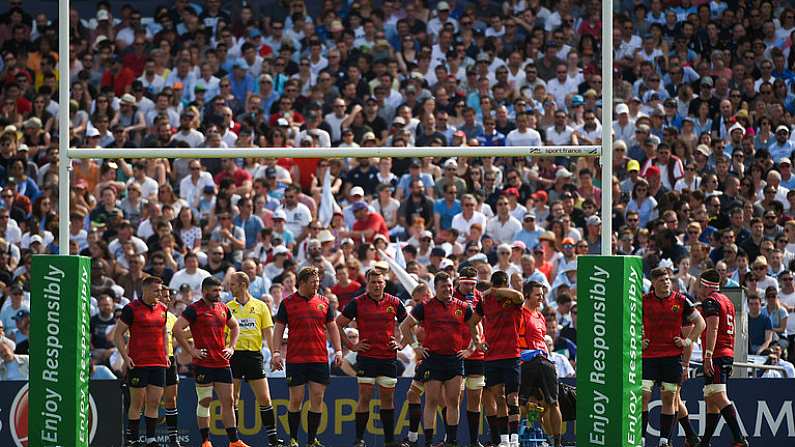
(532, 330)
(147, 345)
(376, 321)
(719, 305)
(501, 321)
(663, 319)
(472, 299)
(444, 324)
(306, 318)
(208, 325)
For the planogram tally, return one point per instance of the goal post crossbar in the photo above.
(339, 152)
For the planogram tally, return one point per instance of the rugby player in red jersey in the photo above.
(664, 313)
(473, 365)
(501, 312)
(145, 357)
(443, 318)
(377, 315)
(208, 319)
(717, 343)
(309, 317)
(539, 376)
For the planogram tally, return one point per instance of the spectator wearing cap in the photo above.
(450, 177)
(623, 127)
(368, 224)
(782, 147)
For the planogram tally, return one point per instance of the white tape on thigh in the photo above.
(386, 382)
(670, 387)
(202, 393)
(366, 380)
(475, 382)
(647, 385)
(711, 389)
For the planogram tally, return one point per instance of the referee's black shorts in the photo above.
(539, 380)
(172, 378)
(247, 365)
(300, 373)
(143, 376)
(503, 372)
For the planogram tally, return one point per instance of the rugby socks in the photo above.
(473, 423)
(388, 422)
(312, 423)
(268, 422)
(133, 427)
(361, 424)
(505, 437)
(231, 433)
(709, 428)
(452, 434)
(205, 432)
(684, 422)
(151, 426)
(428, 436)
(294, 420)
(644, 424)
(730, 416)
(494, 429)
(666, 423)
(415, 414)
(171, 422)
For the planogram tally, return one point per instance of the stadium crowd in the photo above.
(703, 100)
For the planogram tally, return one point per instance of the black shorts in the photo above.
(443, 367)
(421, 373)
(539, 380)
(207, 376)
(247, 365)
(663, 370)
(723, 370)
(172, 378)
(503, 372)
(300, 373)
(567, 399)
(143, 376)
(474, 368)
(370, 367)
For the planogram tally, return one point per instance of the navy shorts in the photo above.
(503, 372)
(172, 378)
(421, 373)
(474, 368)
(143, 376)
(300, 373)
(723, 370)
(663, 370)
(370, 367)
(443, 367)
(207, 376)
(247, 365)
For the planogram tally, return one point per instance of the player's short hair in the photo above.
(658, 272)
(210, 282)
(499, 279)
(149, 281)
(468, 272)
(441, 277)
(306, 273)
(530, 285)
(373, 272)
